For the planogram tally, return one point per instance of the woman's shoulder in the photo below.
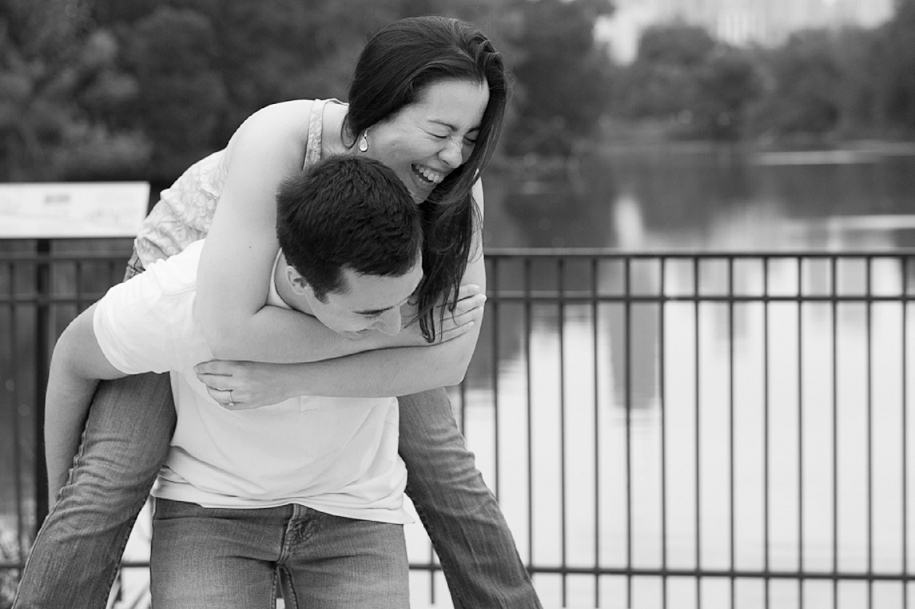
(287, 115)
(281, 127)
(294, 123)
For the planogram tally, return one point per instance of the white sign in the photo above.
(72, 210)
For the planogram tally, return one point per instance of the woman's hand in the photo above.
(448, 325)
(239, 385)
(247, 385)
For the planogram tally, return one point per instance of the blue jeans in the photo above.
(76, 554)
(213, 558)
(460, 514)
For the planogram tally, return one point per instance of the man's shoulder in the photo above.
(163, 294)
(176, 274)
(147, 322)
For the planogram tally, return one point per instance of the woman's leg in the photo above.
(460, 514)
(78, 550)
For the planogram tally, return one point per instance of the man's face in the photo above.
(371, 303)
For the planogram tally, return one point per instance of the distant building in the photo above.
(740, 22)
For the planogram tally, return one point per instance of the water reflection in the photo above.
(695, 196)
(783, 392)
(693, 199)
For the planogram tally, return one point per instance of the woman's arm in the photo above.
(380, 373)
(399, 371)
(237, 258)
(376, 373)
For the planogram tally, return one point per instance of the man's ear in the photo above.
(298, 283)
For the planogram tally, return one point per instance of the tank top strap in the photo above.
(314, 147)
(315, 132)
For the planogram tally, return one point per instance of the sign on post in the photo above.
(72, 210)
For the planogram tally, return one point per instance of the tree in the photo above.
(728, 84)
(805, 86)
(173, 53)
(58, 73)
(684, 77)
(562, 74)
(899, 66)
(675, 45)
(290, 49)
(663, 81)
(859, 53)
(203, 66)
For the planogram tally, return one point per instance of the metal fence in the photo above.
(661, 429)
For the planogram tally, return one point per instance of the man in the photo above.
(308, 490)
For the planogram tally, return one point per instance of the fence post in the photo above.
(42, 357)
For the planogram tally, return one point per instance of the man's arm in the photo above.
(77, 366)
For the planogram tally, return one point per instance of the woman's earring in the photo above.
(364, 142)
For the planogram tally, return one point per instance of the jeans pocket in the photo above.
(168, 509)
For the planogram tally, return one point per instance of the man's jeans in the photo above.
(214, 558)
(77, 552)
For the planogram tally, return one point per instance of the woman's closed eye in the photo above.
(467, 141)
(372, 314)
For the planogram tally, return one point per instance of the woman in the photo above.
(427, 99)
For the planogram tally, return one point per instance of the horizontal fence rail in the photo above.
(662, 429)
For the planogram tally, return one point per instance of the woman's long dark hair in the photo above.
(397, 64)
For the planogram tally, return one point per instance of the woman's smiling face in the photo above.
(426, 140)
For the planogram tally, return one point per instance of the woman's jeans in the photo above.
(77, 552)
(214, 558)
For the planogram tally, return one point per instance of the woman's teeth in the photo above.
(428, 175)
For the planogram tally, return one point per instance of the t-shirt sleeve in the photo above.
(134, 325)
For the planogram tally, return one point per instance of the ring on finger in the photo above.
(231, 403)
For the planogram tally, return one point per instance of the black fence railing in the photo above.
(661, 429)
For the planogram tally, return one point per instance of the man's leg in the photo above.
(461, 516)
(331, 562)
(215, 558)
(78, 550)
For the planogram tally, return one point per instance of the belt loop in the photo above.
(299, 511)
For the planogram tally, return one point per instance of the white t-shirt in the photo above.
(336, 455)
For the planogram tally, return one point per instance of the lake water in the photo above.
(696, 196)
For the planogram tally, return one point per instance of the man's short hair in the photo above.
(347, 212)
